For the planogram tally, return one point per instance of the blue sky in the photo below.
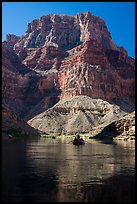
(119, 17)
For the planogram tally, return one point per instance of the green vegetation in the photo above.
(45, 135)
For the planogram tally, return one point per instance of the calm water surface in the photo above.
(55, 170)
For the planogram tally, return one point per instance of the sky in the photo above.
(119, 17)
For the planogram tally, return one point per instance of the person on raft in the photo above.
(78, 139)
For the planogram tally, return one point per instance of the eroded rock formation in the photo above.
(76, 115)
(122, 129)
(62, 56)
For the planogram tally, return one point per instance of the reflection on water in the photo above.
(47, 170)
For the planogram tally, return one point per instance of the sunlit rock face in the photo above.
(76, 115)
(66, 32)
(122, 129)
(62, 56)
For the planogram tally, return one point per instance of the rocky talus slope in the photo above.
(63, 56)
(76, 115)
(121, 129)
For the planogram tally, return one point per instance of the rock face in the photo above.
(76, 115)
(122, 129)
(12, 125)
(23, 88)
(63, 56)
(66, 32)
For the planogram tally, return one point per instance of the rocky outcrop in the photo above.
(11, 40)
(77, 115)
(14, 126)
(42, 59)
(23, 88)
(92, 74)
(66, 32)
(122, 129)
(63, 56)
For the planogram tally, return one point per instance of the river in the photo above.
(55, 170)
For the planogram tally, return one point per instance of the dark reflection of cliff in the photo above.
(13, 162)
(40, 188)
(57, 171)
(118, 188)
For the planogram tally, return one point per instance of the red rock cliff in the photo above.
(62, 56)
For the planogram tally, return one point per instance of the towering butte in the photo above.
(62, 56)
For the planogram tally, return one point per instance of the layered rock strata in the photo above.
(121, 129)
(76, 115)
(62, 56)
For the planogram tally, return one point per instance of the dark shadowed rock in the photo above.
(14, 126)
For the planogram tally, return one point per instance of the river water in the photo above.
(55, 170)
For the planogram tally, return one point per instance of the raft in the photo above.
(78, 142)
